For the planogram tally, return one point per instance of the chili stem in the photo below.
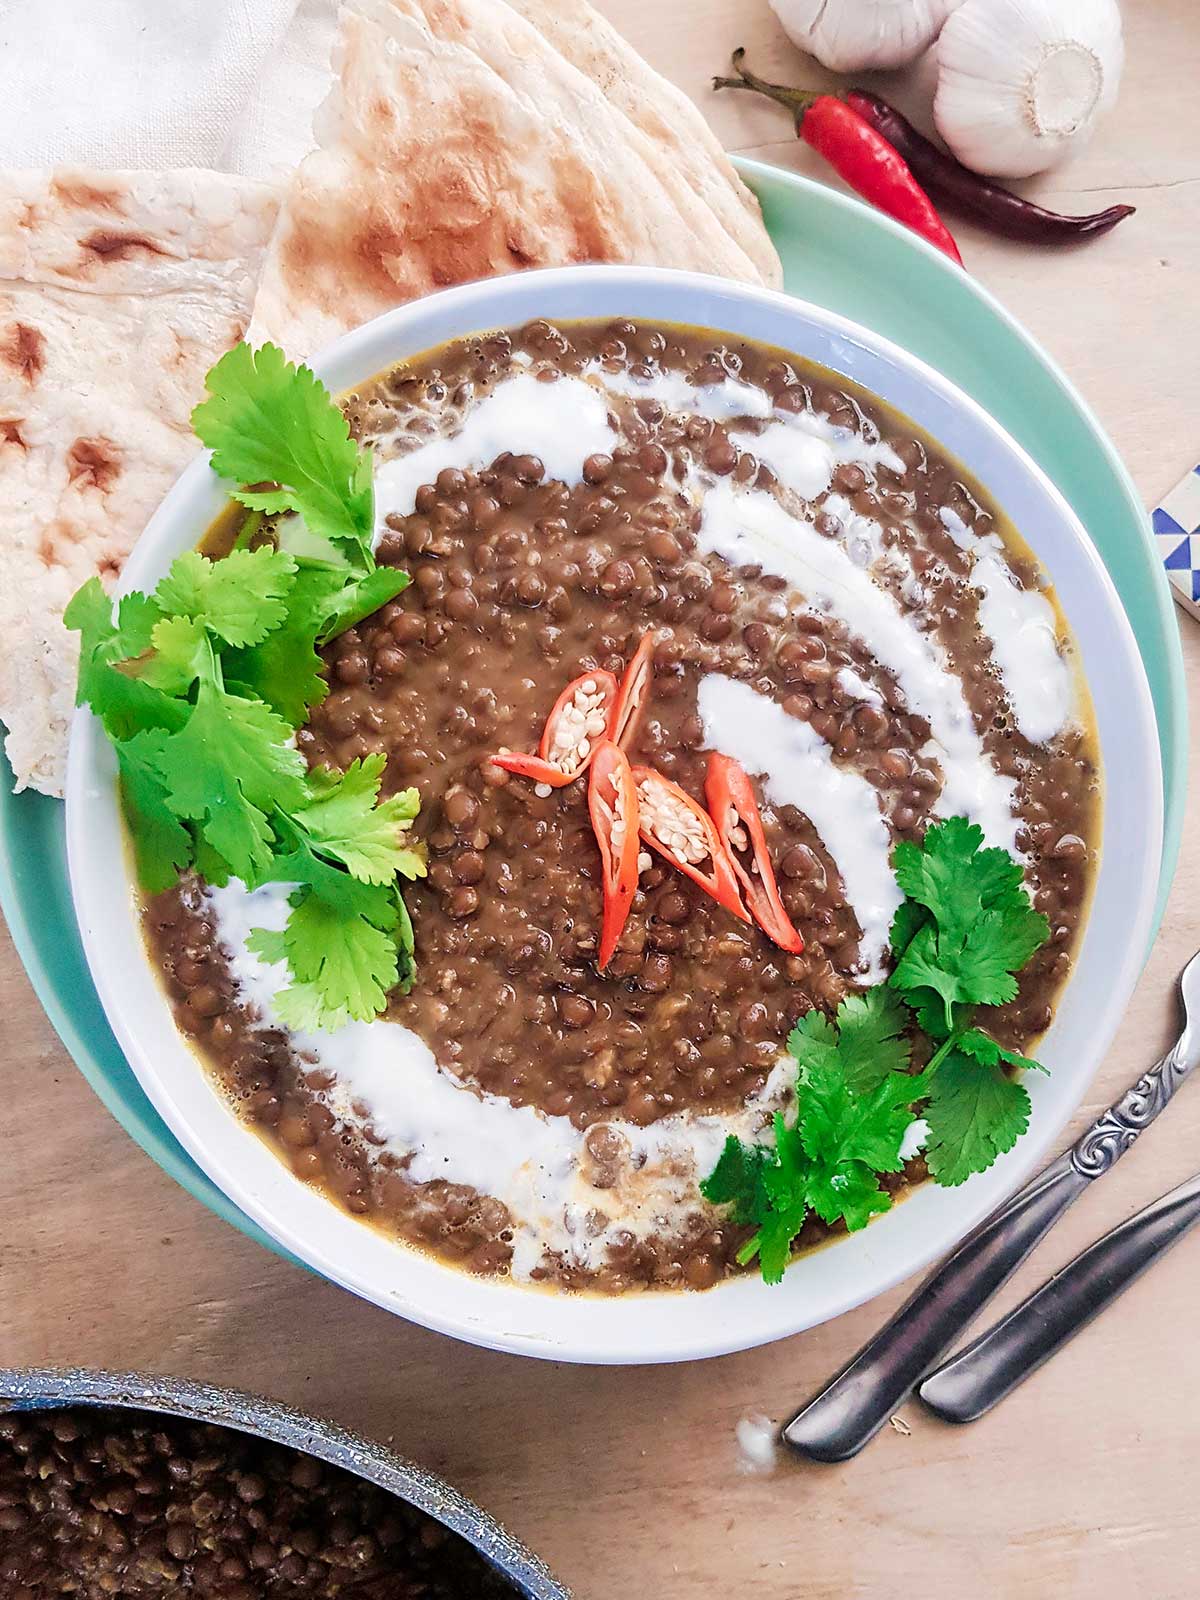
(796, 100)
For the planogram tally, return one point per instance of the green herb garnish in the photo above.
(964, 931)
(201, 685)
(273, 425)
(965, 928)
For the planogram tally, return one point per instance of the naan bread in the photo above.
(458, 143)
(117, 293)
(690, 150)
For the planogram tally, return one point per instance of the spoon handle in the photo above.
(991, 1368)
(852, 1408)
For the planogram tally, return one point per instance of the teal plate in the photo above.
(839, 254)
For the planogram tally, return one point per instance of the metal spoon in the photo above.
(852, 1408)
(994, 1364)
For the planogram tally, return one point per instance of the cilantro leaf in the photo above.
(850, 1191)
(123, 703)
(999, 944)
(924, 969)
(235, 830)
(849, 1139)
(179, 654)
(162, 846)
(227, 768)
(342, 962)
(785, 1184)
(926, 1004)
(285, 669)
(979, 928)
(964, 931)
(270, 422)
(311, 549)
(208, 862)
(867, 1042)
(962, 935)
(346, 943)
(813, 1039)
(270, 944)
(836, 1125)
(736, 1180)
(772, 1243)
(953, 876)
(346, 819)
(980, 969)
(909, 919)
(239, 598)
(90, 613)
(359, 599)
(975, 1113)
(764, 1186)
(982, 1047)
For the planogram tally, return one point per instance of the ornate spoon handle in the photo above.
(1114, 1130)
(852, 1408)
(1003, 1357)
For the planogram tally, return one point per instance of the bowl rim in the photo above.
(595, 1336)
(49, 1388)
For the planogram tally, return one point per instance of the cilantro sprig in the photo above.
(275, 432)
(201, 684)
(964, 930)
(966, 926)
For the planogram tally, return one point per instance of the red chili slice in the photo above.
(680, 829)
(526, 766)
(613, 807)
(571, 725)
(634, 693)
(730, 796)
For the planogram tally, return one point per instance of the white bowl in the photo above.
(653, 1327)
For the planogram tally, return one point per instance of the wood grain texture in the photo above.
(626, 1480)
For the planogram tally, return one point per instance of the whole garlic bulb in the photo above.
(848, 35)
(1023, 82)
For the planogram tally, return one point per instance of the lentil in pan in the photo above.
(527, 574)
(102, 1505)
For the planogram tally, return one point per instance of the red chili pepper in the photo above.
(734, 809)
(613, 808)
(522, 765)
(634, 693)
(680, 829)
(570, 726)
(871, 166)
(959, 189)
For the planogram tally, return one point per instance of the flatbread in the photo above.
(688, 146)
(118, 290)
(458, 143)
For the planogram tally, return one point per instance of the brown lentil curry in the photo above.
(520, 582)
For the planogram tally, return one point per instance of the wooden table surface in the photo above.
(626, 1480)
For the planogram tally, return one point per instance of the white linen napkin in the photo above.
(230, 84)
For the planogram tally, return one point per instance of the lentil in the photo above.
(87, 1509)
